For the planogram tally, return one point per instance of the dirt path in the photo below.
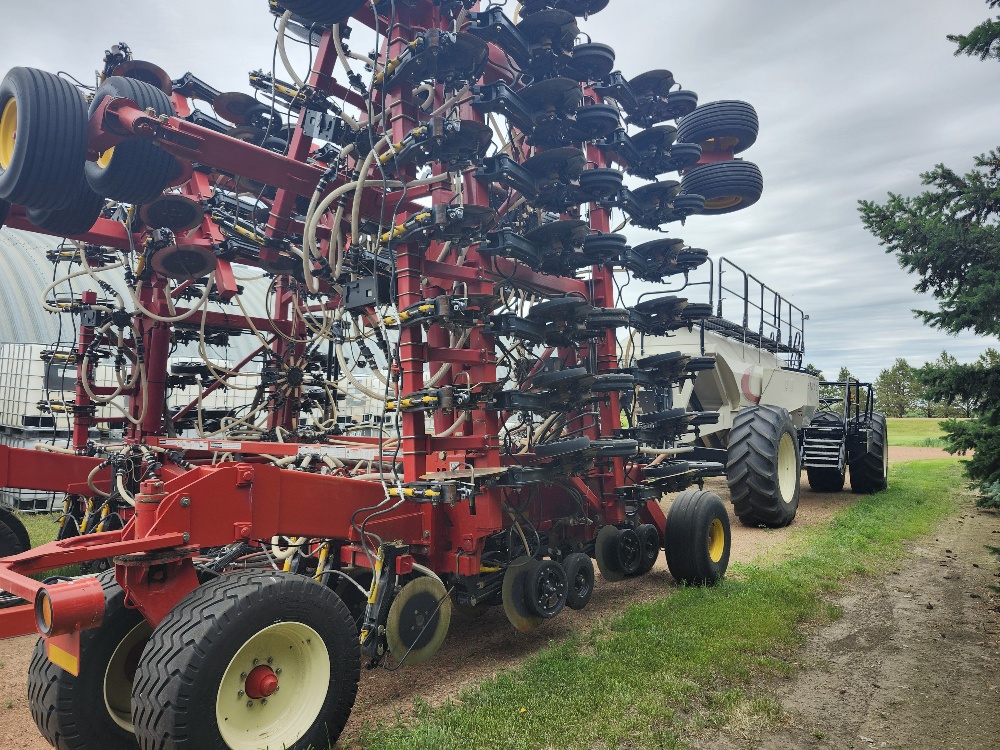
(477, 647)
(913, 664)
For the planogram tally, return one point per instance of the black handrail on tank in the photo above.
(762, 318)
(688, 284)
(767, 319)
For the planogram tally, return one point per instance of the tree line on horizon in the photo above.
(902, 390)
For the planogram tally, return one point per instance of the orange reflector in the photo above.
(43, 612)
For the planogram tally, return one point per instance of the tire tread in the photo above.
(751, 467)
(197, 623)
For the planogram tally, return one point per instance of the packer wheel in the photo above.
(606, 554)
(650, 544)
(515, 606)
(546, 588)
(580, 577)
(629, 551)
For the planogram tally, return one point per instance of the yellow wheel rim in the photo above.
(788, 467)
(104, 159)
(725, 143)
(727, 201)
(8, 133)
(716, 540)
(119, 675)
(300, 661)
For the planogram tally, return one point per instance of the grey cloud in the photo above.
(856, 98)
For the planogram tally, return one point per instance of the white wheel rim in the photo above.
(119, 675)
(300, 661)
(885, 459)
(788, 468)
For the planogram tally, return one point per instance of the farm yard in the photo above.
(452, 373)
(776, 664)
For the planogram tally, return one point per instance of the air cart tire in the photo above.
(324, 11)
(727, 186)
(723, 126)
(92, 711)
(136, 170)
(824, 479)
(43, 139)
(580, 577)
(763, 467)
(12, 522)
(870, 472)
(211, 673)
(698, 538)
(77, 218)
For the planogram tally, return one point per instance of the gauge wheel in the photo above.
(43, 139)
(212, 671)
(698, 538)
(136, 170)
(91, 710)
(727, 186)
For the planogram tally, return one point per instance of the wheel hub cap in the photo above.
(261, 682)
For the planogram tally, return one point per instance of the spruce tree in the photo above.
(949, 236)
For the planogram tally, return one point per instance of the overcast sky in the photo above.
(855, 97)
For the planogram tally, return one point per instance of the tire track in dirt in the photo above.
(913, 663)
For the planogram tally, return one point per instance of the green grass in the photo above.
(42, 527)
(663, 671)
(915, 432)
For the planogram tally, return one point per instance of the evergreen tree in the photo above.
(896, 389)
(954, 407)
(832, 391)
(949, 235)
(983, 41)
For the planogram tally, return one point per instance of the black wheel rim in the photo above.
(581, 584)
(418, 622)
(629, 551)
(549, 593)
